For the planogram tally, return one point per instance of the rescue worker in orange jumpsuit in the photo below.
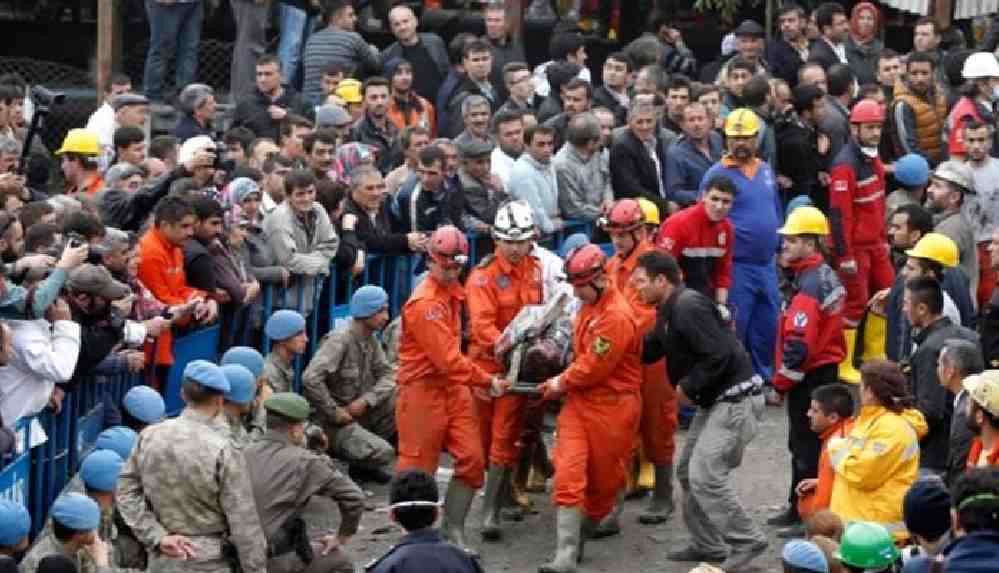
(625, 223)
(435, 410)
(498, 288)
(600, 415)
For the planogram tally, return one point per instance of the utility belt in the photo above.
(291, 537)
(751, 387)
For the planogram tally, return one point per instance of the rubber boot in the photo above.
(610, 525)
(847, 372)
(567, 526)
(456, 503)
(875, 332)
(490, 502)
(661, 506)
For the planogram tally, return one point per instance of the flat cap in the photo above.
(119, 172)
(96, 280)
(76, 511)
(118, 439)
(100, 470)
(249, 358)
(122, 100)
(332, 115)
(207, 374)
(144, 404)
(242, 384)
(750, 28)
(284, 324)
(472, 147)
(15, 522)
(289, 405)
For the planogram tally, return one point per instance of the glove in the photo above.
(726, 314)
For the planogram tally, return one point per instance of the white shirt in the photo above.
(501, 164)
(44, 355)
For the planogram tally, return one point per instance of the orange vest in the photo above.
(930, 119)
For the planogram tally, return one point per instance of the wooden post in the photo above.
(108, 29)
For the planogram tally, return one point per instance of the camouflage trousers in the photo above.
(334, 562)
(368, 439)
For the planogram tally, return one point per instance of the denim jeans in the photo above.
(174, 30)
(296, 26)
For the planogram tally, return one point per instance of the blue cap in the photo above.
(249, 358)
(242, 384)
(912, 170)
(367, 301)
(805, 555)
(118, 439)
(571, 243)
(284, 324)
(15, 521)
(76, 511)
(100, 470)
(207, 374)
(144, 404)
(799, 201)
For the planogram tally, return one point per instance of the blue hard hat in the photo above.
(144, 404)
(799, 201)
(284, 324)
(571, 243)
(805, 556)
(76, 511)
(367, 301)
(207, 374)
(912, 170)
(249, 358)
(100, 470)
(242, 384)
(15, 522)
(118, 439)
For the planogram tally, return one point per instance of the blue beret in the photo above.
(242, 384)
(367, 301)
(15, 521)
(76, 511)
(284, 324)
(144, 404)
(805, 555)
(100, 470)
(249, 358)
(207, 374)
(118, 439)
(799, 201)
(572, 242)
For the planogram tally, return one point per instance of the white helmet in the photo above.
(980, 65)
(514, 222)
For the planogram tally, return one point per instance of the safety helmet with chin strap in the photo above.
(584, 265)
(448, 246)
(625, 216)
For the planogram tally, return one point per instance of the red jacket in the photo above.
(811, 329)
(965, 109)
(992, 458)
(702, 247)
(607, 347)
(856, 202)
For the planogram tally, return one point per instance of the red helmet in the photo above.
(625, 215)
(584, 264)
(867, 111)
(448, 245)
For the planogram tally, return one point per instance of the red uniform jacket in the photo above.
(856, 202)
(976, 452)
(702, 247)
(811, 330)
(619, 270)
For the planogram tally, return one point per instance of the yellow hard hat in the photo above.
(805, 221)
(80, 141)
(936, 247)
(349, 91)
(649, 211)
(742, 122)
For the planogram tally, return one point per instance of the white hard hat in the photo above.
(192, 146)
(980, 65)
(514, 222)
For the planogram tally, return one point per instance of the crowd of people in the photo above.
(808, 221)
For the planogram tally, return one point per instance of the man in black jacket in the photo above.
(477, 60)
(613, 94)
(800, 154)
(712, 370)
(789, 52)
(830, 47)
(637, 159)
(368, 211)
(263, 111)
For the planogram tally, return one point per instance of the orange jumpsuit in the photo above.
(435, 410)
(599, 419)
(659, 402)
(821, 497)
(496, 291)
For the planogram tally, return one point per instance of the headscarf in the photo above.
(864, 38)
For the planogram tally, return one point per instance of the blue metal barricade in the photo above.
(15, 477)
(198, 345)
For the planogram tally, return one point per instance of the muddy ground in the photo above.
(762, 482)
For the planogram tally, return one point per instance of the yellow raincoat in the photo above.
(875, 465)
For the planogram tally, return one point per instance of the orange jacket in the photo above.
(162, 271)
(430, 348)
(403, 118)
(619, 269)
(820, 498)
(497, 290)
(607, 347)
(976, 452)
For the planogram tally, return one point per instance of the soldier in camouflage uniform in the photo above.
(286, 329)
(351, 387)
(185, 492)
(252, 360)
(15, 524)
(239, 404)
(75, 519)
(285, 476)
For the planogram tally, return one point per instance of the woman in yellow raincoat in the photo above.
(879, 460)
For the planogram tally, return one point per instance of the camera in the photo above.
(43, 97)
(221, 163)
(96, 252)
